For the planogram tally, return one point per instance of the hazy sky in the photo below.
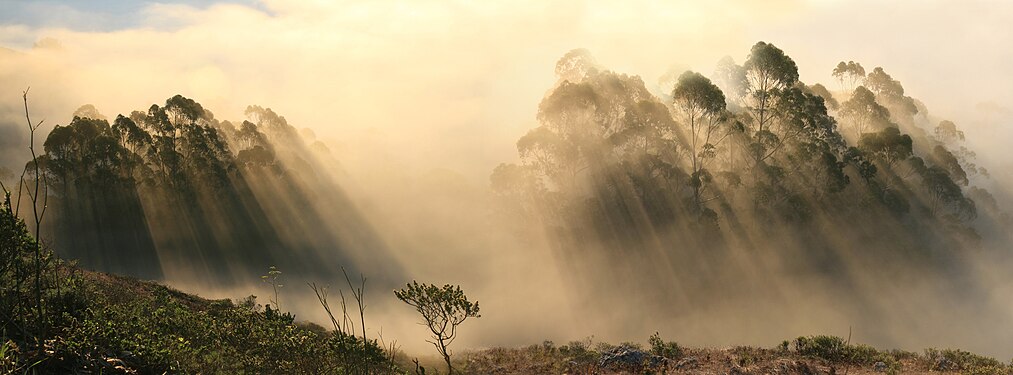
(454, 83)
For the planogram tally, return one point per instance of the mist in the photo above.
(418, 102)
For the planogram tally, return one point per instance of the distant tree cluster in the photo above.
(750, 156)
(174, 184)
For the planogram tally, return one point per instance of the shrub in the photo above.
(659, 347)
(966, 362)
(442, 309)
(836, 349)
(830, 348)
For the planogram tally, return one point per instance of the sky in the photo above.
(453, 83)
(94, 16)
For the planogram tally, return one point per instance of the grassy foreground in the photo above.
(109, 324)
(804, 355)
(118, 325)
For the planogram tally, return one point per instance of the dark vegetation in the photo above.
(175, 188)
(58, 319)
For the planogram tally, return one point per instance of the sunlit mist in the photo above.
(722, 172)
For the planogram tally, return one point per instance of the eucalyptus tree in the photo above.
(768, 69)
(586, 126)
(87, 152)
(132, 137)
(811, 143)
(575, 65)
(96, 180)
(88, 111)
(731, 78)
(891, 91)
(554, 152)
(889, 146)
(945, 195)
(828, 98)
(849, 74)
(947, 133)
(943, 158)
(769, 73)
(701, 106)
(274, 126)
(893, 153)
(952, 138)
(864, 113)
(883, 84)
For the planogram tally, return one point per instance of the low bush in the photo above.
(662, 348)
(836, 349)
(965, 362)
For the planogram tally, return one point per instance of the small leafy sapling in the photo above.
(442, 309)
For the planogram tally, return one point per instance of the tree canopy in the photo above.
(671, 183)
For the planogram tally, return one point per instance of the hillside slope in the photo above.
(114, 324)
(103, 323)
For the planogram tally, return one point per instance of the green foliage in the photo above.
(891, 91)
(23, 310)
(204, 179)
(828, 98)
(90, 322)
(849, 73)
(835, 349)
(614, 163)
(888, 145)
(784, 346)
(771, 66)
(965, 362)
(152, 329)
(946, 194)
(882, 83)
(443, 305)
(830, 348)
(579, 349)
(442, 309)
(662, 348)
(697, 93)
(864, 112)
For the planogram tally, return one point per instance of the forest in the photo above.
(746, 171)
(174, 188)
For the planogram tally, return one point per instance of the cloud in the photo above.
(434, 67)
(397, 65)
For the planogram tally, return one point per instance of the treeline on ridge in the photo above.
(719, 179)
(174, 188)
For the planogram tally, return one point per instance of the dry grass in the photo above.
(549, 359)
